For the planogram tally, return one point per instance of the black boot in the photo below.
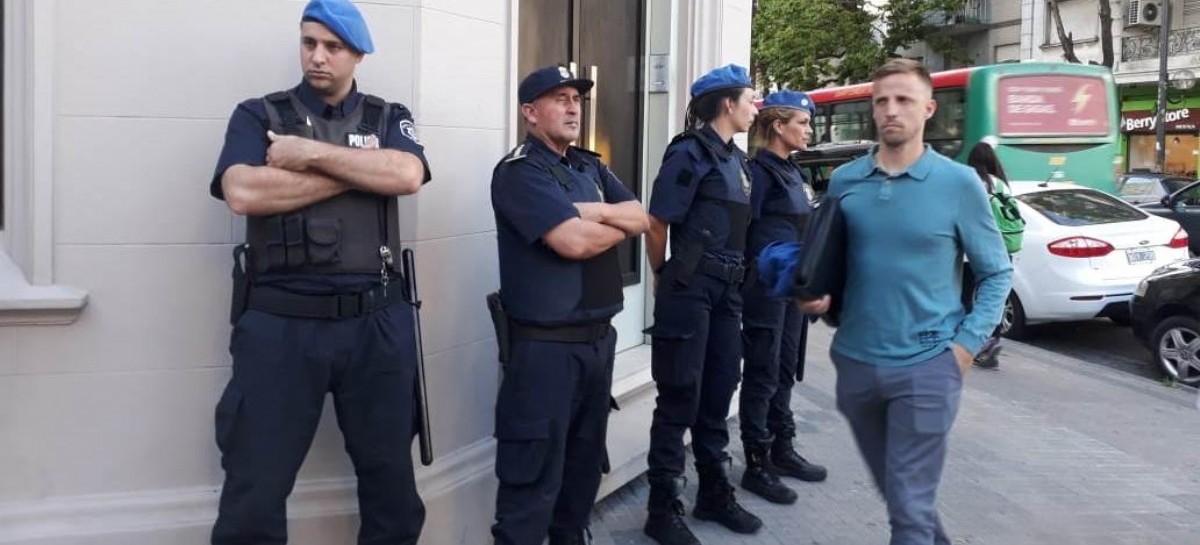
(989, 356)
(665, 524)
(715, 502)
(570, 536)
(789, 463)
(760, 477)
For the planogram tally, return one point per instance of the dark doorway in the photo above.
(599, 40)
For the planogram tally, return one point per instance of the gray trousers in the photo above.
(901, 417)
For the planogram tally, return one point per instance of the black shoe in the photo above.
(666, 526)
(715, 502)
(790, 463)
(760, 477)
(570, 536)
(989, 358)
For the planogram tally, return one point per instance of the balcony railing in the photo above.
(974, 12)
(1180, 42)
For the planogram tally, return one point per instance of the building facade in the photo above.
(985, 31)
(115, 262)
(1135, 68)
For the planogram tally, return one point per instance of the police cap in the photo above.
(730, 76)
(543, 80)
(343, 19)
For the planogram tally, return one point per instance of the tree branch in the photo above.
(1066, 40)
(1106, 37)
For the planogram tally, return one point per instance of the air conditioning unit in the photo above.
(1144, 14)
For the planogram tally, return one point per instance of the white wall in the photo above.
(107, 423)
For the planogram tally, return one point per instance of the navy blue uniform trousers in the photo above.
(551, 423)
(266, 419)
(695, 355)
(901, 418)
(774, 335)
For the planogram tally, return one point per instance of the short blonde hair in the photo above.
(902, 66)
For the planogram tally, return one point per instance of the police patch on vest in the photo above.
(409, 130)
(745, 183)
(362, 141)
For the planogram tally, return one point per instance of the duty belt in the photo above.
(328, 307)
(586, 333)
(730, 273)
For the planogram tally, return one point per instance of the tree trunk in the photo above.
(1066, 40)
(1106, 37)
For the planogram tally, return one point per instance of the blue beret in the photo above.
(343, 19)
(730, 76)
(794, 100)
(542, 80)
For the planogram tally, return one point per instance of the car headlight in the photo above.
(1141, 288)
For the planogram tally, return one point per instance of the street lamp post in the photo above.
(1160, 122)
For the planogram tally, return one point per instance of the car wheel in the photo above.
(1175, 345)
(1012, 323)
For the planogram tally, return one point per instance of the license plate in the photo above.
(1139, 256)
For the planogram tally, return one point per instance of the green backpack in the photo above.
(1008, 219)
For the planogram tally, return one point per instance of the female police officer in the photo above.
(702, 193)
(773, 330)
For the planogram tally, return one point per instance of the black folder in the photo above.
(822, 268)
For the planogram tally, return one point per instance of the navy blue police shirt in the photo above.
(694, 178)
(779, 201)
(246, 143)
(537, 285)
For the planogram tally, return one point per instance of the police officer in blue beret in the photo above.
(318, 304)
(701, 198)
(774, 331)
(559, 215)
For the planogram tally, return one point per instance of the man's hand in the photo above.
(291, 152)
(591, 211)
(962, 357)
(816, 307)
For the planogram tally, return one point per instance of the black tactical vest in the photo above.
(601, 274)
(354, 232)
(729, 231)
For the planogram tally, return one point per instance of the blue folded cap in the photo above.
(794, 100)
(542, 80)
(777, 265)
(730, 76)
(343, 19)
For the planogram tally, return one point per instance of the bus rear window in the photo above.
(1074, 207)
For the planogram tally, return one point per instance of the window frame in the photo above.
(28, 294)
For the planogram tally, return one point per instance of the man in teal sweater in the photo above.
(905, 341)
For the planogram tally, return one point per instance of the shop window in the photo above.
(1181, 154)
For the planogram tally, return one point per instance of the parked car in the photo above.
(1183, 206)
(1083, 254)
(1165, 313)
(1138, 188)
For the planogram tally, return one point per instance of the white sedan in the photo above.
(1083, 254)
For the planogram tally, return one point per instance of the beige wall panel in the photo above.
(194, 59)
(138, 181)
(464, 69)
(458, 200)
(150, 308)
(454, 275)
(463, 382)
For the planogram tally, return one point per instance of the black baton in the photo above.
(422, 397)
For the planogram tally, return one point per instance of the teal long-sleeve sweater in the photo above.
(907, 234)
